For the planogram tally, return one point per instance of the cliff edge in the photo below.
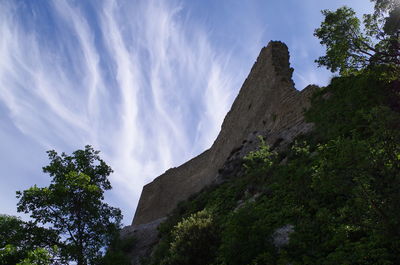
(267, 104)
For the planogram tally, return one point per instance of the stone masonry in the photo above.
(267, 103)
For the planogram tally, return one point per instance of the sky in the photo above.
(146, 82)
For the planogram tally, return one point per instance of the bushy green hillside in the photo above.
(336, 190)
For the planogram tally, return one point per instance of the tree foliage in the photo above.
(39, 256)
(73, 206)
(193, 241)
(351, 47)
(118, 251)
(21, 241)
(261, 159)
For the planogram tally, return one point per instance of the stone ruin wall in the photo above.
(267, 103)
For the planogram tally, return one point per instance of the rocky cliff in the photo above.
(330, 198)
(268, 104)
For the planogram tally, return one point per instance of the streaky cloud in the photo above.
(145, 85)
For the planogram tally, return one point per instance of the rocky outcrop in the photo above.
(267, 104)
(281, 236)
(145, 237)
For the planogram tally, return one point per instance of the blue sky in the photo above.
(146, 82)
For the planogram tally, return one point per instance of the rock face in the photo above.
(281, 236)
(267, 104)
(145, 236)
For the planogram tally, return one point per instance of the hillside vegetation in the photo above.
(334, 191)
(331, 196)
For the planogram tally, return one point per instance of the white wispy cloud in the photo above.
(144, 85)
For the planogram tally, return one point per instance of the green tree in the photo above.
(18, 239)
(73, 204)
(194, 241)
(118, 251)
(39, 256)
(350, 47)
